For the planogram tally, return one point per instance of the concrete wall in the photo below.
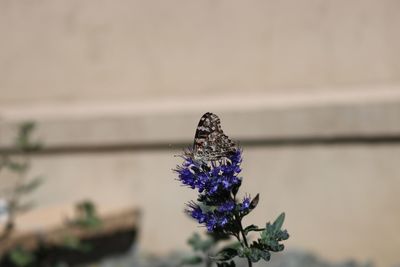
(335, 194)
(111, 50)
(118, 86)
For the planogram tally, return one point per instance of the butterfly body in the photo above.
(210, 142)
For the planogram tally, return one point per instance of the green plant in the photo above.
(86, 215)
(17, 161)
(21, 258)
(203, 248)
(74, 243)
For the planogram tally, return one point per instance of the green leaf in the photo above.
(226, 254)
(273, 234)
(265, 255)
(273, 245)
(254, 254)
(279, 222)
(282, 235)
(21, 257)
(259, 254)
(191, 260)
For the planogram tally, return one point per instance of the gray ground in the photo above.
(288, 259)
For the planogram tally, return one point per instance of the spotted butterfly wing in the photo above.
(210, 142)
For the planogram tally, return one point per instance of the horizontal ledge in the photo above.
(154, 125)
(274, 142)
(174, 105)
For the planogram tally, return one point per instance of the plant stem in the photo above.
(246, 244)
(14, 201)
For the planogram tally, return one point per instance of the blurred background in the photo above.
(310, 88)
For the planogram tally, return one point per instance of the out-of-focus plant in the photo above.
(212, 168)
(74, 243)
(86, 215)
(203, 248)
(21, 257)
(18, 162)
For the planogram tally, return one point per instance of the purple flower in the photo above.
(196, 212)
(223, 221)
(216, 221)
(245, 204)
(227, 206)
(212, 222)
(216, 181)
(187, 177)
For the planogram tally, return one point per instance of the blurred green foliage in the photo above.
(87, 216)
(17, 161)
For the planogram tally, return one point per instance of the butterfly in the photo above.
(210, 142)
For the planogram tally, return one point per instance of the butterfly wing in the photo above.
(210, 142)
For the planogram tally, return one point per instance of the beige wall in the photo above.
(101, 50)
(115, 73)
(341, 203)
(335, 196)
